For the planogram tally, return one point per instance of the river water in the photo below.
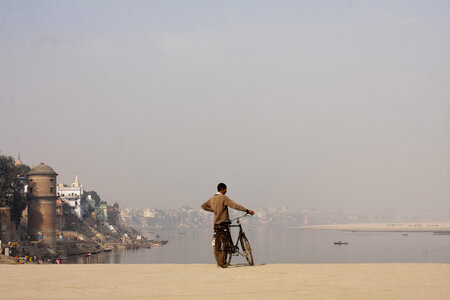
(289, 245)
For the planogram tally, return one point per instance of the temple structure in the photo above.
(72, 195)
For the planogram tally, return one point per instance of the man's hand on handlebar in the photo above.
(251, 212)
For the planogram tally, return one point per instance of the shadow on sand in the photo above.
(244, 265)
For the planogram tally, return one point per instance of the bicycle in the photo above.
(223, 245)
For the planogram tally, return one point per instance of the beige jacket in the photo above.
(219, 205)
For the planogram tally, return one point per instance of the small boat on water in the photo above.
(107, 250)
(340, 243)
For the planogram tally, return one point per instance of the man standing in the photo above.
(219, 204)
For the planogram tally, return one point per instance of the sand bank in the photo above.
(399, 227)
(276, 281)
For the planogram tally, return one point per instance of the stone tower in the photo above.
(42, 207)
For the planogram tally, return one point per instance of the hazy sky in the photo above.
(308, 104)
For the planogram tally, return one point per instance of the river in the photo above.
(289, 245)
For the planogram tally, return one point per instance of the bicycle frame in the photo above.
(224, 244)
(235, 250)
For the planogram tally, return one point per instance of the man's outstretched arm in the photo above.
(236, 206)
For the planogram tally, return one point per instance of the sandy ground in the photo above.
(402, 227)
(275, 281)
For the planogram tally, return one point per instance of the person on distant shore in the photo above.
(219, 203)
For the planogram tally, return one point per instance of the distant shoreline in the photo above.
(387, 227)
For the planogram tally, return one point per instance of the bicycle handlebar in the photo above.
(243, 216)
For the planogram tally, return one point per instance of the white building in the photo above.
(149, 213)
(72, 195)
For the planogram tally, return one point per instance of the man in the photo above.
(219, 204)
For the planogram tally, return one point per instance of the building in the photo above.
(42, 207)
(72, 195)
(149, 213)
(5, 225)
(114, 214)
(90, 202)
(59, 216)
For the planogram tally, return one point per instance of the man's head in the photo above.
(222, 188)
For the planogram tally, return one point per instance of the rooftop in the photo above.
(42, 169)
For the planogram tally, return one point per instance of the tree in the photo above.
(12, 182)
(94, 196)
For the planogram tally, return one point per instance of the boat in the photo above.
(340, 243)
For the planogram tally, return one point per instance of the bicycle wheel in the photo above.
(221, 250)
(246, 249)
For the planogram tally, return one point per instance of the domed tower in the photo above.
(42, 207)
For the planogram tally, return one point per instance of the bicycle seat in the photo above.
(223, 225)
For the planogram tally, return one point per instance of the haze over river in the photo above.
(289, 245)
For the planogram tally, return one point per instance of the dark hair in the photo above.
(221, 186)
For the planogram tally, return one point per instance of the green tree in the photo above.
(12, 182)
(94, 196)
